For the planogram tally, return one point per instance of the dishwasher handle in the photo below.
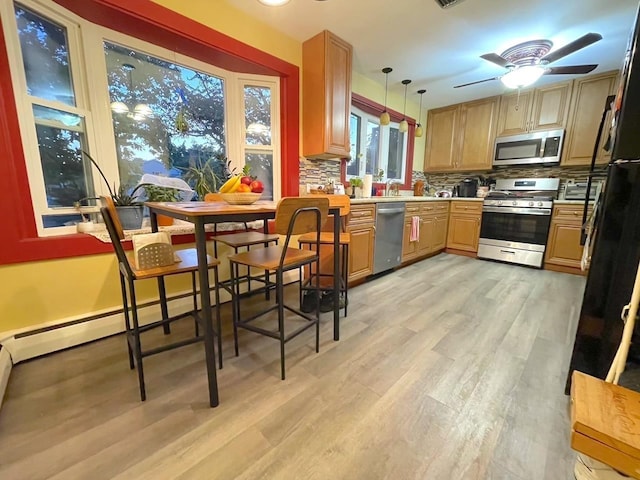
(390, 211)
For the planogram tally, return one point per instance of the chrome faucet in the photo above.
(393, 188)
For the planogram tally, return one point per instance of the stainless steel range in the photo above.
(515, 220)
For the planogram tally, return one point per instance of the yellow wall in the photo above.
(226, 19)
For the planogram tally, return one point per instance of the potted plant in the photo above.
(129, 208)
(356, 184)
(157, 193)
(207, 176)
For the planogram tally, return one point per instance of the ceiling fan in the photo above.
(528, 61)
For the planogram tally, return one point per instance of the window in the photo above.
(376, 148)
(136, 107)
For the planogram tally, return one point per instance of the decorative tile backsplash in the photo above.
(318, 171)
(321, 171)
(448, 180)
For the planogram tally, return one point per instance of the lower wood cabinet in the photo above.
(362, 228)
(464, 225)
(564, 251)
(433, 229)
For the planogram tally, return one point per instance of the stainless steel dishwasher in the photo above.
(389, 230)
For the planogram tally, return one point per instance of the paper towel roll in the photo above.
(367, 184)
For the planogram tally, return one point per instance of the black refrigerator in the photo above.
(616, 236)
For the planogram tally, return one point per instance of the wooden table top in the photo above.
(197, 209)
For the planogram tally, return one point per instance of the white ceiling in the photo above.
(439, 48)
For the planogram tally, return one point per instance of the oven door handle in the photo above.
(523, 211)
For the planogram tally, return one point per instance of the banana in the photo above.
(236, 184)
(230, 185)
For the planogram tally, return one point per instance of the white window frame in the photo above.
(89, 77)
(383, 148)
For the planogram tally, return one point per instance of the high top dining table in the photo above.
(203, 213)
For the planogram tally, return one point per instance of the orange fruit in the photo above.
(243, 188)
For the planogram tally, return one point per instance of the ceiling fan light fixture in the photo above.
(273, 3)
(522, 76)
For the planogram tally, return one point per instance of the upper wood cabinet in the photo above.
(478, 122)
(326, 96)
(461, 137)
(545, 108)
(587, 105)
(441, 146)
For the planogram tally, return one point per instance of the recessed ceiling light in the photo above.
(273, 3)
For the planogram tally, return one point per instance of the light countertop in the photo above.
(569, 202)
(410, 199)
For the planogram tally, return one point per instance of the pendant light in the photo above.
(404, 125)
(419, 125)
(384, 117)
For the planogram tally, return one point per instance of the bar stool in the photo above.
(129, 274)
(242, 240)
(294, 216)
(326, 238)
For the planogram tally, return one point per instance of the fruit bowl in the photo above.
(241, 198)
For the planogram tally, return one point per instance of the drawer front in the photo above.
(569, 212)
(434, 207)
(460, 206)
(411, 209)
(363, 213)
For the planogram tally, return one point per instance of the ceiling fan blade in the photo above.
(479, 81)
(574, 46)
(495, 58)
(570, 70)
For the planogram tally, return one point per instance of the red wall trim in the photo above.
(367, 105)
(151, 22)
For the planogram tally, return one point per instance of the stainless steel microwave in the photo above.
(529, 148)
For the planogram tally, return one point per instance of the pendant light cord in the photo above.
(386, 87)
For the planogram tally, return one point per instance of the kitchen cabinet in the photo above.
(441, 143)
(361, 225)
(564, 251)
(587, 105)
(464, 225)
(433, 229)
(478, 123)
(326, 96)
(545, 108)
(461, 137)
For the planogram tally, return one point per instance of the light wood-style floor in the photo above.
(452, 368)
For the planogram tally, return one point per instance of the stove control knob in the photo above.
(539, 204)
(514, 203)
(499, 202)
(531, 204)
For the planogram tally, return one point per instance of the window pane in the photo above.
(257, 105)
(52, 221)
(45, 57)
(396, 149)
(67, 176)
(262, 168)
(353, 165)
(166, 117)
(373, 146)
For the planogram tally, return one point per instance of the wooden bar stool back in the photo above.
(294, 216)
(326, 239)
(186, 262)
(243, 240)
